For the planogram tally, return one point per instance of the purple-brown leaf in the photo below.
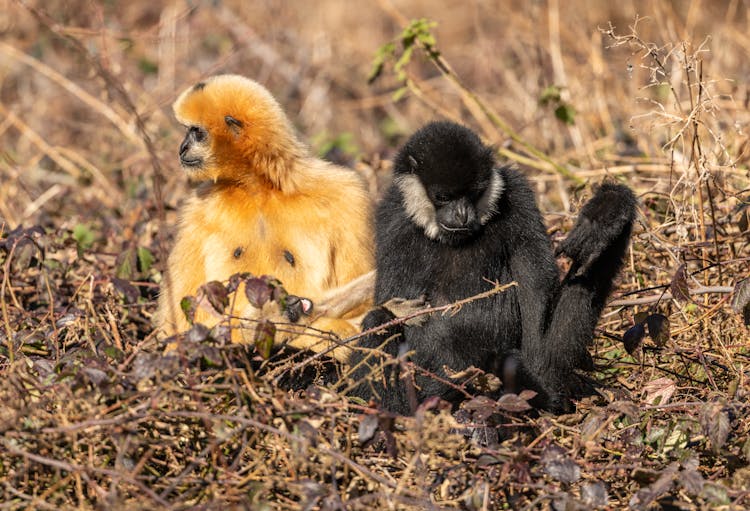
(258, 291)
(559, 466)
(513, 403)
(633, 338)
(741, 300)
(715, 423)
(216, 294)
(644, 497)
(658, 329)
(679, 285)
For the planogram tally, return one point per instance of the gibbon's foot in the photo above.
(379, 316)
(323, 371)
(560, 394)
(602, 221)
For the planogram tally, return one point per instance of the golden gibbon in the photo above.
(263, 204)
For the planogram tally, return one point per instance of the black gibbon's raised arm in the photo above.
(451, 223)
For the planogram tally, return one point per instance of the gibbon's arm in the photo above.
(596, 246)
(534, 269)
(352, 243)
(341, 301)
(184, 275)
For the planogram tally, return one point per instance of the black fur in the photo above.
(543, 324)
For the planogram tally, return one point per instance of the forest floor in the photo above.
(95, 414)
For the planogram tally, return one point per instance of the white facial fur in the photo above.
(486, 207)
(421, 210)
(418, 205)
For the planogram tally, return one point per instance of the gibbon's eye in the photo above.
(442, 198)
(289, 257)
(234, 124)
(199, 134)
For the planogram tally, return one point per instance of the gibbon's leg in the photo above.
(335, 314)
(339, 312)
(375, 364)
(597, 246)
(317, 337)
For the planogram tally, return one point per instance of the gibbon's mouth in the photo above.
(191, 162)
(454, 229)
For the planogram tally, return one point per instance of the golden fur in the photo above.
(263, 205)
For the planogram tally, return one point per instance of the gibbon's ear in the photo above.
(234, 124)
(413, 164)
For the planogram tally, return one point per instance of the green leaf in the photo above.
(716, 494)
(417, 31)
(566, 113)
(148, 66)
(383, 54)
(125, 264)
(399, 93)
(145, 259)
(83, 236)
(265, 332)
(404, 60)
(187, 304)
(114, 353)
(550, 94)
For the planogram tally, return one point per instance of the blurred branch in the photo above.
(111, 194)
(668, 296)
(115, 85)
(476, 104)
(98, 106)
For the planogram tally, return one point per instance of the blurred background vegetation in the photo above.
(652, 93)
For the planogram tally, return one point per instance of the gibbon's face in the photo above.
(448, 182)
(232, 123)
(195, 148)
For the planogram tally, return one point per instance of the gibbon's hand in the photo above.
(295, 307)
(401, 307)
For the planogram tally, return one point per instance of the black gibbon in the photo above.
(264, 205)
(452, 223)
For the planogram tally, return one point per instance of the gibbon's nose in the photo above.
(184, 146)
(463, 213)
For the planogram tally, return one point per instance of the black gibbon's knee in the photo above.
(375, 318)
(599, 240)
(603, 225)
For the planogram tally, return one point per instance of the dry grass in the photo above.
(95, 416)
